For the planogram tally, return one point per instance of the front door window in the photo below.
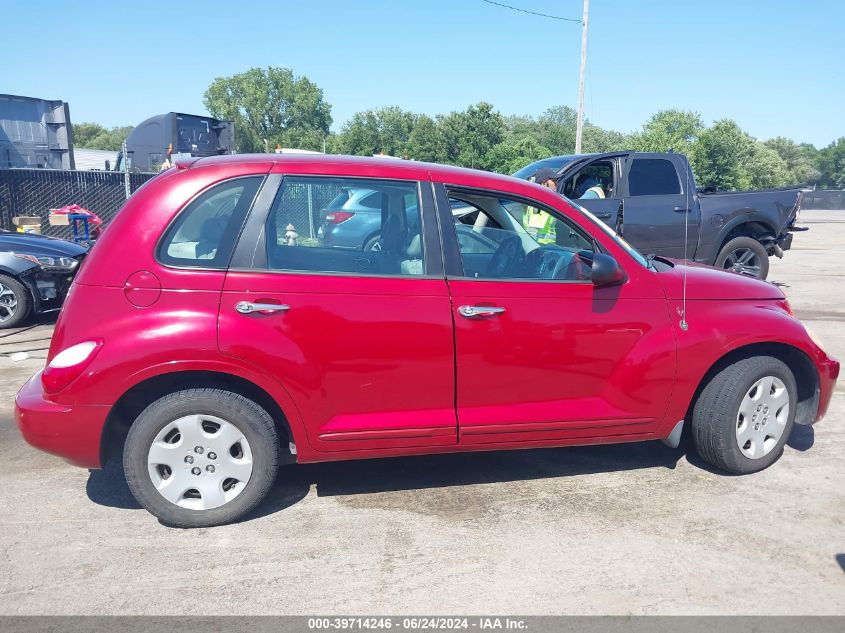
(502, 238)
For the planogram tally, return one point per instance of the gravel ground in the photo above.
(627, 529)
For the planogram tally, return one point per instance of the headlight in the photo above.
(54, 263)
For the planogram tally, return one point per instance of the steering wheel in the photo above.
(563, 263)
(504, 257)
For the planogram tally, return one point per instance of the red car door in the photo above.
(541, 353)
(361, 339)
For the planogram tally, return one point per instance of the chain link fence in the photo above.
(301, 206)
(34, 192)
(822, 199)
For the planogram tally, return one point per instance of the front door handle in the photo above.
(680, 209)
(603, 216)
(247, 307)
(479, 311)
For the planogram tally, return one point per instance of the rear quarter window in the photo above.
(204, 233)
(653, 177)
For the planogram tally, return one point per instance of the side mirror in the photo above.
(606, 271)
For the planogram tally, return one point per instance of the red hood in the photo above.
(706, 282)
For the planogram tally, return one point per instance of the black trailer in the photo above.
(186, 134)
(35, 133)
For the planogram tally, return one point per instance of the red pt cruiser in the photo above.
(213, 333)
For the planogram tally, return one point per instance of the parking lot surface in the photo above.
(625, 529)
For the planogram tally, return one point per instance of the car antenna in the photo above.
(683, 324)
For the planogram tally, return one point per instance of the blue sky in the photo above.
(776, 67)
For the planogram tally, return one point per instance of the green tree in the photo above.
(471, 134)
(720, 156)
(520, 127)
(668, 129)
(271, 105)
(382, 131)
(359, 136)
(95, 136)
(799, 160)
(765, 167)
(557, 129)
(513, 154)
(832, 164)
(426, 141)
(597, 139)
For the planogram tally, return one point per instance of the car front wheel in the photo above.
(744, 415)
(201, 457)
(15, 302)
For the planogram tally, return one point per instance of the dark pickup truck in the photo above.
(648, 197)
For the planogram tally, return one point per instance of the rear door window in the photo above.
(653, 177)
(205, 231)
(374, 231)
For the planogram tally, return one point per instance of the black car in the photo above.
(35, 274)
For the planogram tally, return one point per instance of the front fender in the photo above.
(24, 271)
(717, 328)
(15, 266)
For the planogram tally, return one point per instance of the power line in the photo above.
(542, 15)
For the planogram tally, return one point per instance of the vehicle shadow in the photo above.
(362, 477)
(840, 558)
(802, 437)
(108, 486)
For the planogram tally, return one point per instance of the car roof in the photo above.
(421, 170)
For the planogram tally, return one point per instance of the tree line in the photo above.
(274, 107)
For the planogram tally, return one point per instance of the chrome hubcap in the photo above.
(744, 262)
(762, 417)
(200, 462)
(8, 303)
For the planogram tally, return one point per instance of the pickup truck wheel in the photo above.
(15, 302)
(744, 415)
(201, 457)
(744, 256)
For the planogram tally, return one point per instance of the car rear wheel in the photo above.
(744, 415)
(744, 256)
(15, 302)
(201, 457)
(373, 244)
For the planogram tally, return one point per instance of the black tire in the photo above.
(247, 416)
(744, 244)
(714, 418)
(370, 244)
(22, 298)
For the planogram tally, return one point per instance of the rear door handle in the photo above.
(247, 307)
(479, 311)
(680, 209)
(603, 216)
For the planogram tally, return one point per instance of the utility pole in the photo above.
(579, 126)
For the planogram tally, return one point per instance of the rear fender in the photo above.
(751, 224)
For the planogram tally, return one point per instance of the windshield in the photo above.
(555, 162)
(612, 234)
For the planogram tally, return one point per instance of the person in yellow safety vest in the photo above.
(591, 188)
(539, 224)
